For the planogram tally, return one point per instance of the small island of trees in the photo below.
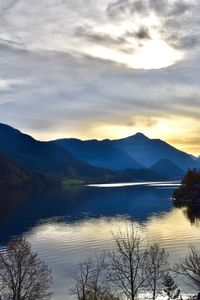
(189, 191)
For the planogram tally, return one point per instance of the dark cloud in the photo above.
(107, 40)
(159, 6)
(180, 8)
(117, 7)
(131, 7)
(189, 42)
(179, 19)
(100, 38)
(144, 7)
(143, 33)
(6, 43)
(7, 5)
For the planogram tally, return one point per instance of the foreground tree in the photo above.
(156, 268)
(23, 276)
(128, 263)
(81, 277)
(91, 281)
(190, 267)
(132, 267)
(170, 288)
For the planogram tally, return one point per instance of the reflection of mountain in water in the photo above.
(21, 211)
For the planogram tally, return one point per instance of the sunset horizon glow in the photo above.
(102, 70)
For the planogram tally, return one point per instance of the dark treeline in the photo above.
(13, 176)
(189, 191)
(188, 195)
(134, 268)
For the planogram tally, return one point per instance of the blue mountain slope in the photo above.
(168, 168)
(47, 158)
(14, 176)
(44, 157)
(99, 153)
(149, 151)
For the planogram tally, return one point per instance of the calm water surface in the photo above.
(67, 226)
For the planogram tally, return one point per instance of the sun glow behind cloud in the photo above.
(137, 44)
(134, 41)
(77, 69)
(152, 55)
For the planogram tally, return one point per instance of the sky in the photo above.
(102, 69)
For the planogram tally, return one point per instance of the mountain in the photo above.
(168, 168)
(198, 159)
(13, 176)
(44, 157)
(99, 153)
(135, 152)
(148, 151)
(134, 158)
(49, 159)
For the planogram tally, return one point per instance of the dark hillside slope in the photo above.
(12, 176)
(45, 157)
(168, 168)
(50, 159)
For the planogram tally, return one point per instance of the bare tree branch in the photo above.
(23, 276)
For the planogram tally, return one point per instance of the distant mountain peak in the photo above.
(137, 136)
(140, 135)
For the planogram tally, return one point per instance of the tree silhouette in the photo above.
(170, 287)
(23, 276)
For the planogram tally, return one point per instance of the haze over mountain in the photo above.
(100, 153)
(168, 168)
(149, 151)
(136, 151)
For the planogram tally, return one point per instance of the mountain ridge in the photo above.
(49, 159)
(99, 153)
(144, 151)
(128, 159)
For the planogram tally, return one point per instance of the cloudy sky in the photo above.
(102, 69)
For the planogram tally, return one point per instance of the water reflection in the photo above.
(66, 226)
(63, 244)
(191, 211)
(23, 210)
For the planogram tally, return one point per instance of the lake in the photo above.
(66, 226)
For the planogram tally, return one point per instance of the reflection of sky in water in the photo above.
(63, 244)
(66, 227)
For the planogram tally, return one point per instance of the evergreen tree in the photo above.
(170, 287)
